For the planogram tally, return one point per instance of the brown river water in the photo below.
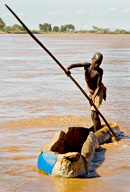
(37, 100)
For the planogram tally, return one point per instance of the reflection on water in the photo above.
(37, 100)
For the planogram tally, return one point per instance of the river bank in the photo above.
(69, 32)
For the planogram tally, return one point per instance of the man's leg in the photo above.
(96, 121)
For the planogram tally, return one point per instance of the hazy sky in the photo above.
(83, 14)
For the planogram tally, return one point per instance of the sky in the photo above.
(83, 14)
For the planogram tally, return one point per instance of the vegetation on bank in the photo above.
(47, 28)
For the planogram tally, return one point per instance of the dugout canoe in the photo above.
(70, 152)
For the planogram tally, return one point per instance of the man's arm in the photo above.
(77, 65)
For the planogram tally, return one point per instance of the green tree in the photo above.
(40, 27)
(63, 28)
(16, 27)
(103, 30)
(96, 29)
(70, 27)
(49, 27)
(7, 28)
(2, 24)
(118, 31)
(55, 28)
(106, 30)
(100, 30)
(45, 27)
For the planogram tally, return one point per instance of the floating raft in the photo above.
(70, 153)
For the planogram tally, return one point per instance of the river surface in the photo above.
(37, 99)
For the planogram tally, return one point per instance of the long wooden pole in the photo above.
(61, 66)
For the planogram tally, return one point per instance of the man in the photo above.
(93, 77)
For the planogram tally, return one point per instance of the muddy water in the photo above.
(37, 100)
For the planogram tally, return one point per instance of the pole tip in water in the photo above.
(115, 139)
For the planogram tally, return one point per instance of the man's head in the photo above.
(97, 59)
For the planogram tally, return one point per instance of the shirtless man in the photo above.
(93, 78)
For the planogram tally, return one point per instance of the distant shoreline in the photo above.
(70, 32)
(18, 32)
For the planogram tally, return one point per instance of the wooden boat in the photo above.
(70, 152)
